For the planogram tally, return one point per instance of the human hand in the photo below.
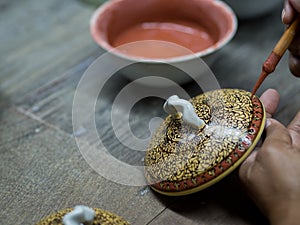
(290, 10)
(271, 174)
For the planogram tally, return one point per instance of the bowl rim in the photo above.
(114, 50)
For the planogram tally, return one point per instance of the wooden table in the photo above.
(45, 49)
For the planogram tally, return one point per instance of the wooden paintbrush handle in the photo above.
(277, 53)
(286, 38)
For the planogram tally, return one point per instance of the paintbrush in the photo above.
(277, 53)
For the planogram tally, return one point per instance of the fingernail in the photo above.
(283, 14)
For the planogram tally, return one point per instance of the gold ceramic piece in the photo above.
(182, 159)
(101, 217)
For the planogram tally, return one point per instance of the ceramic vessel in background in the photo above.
(246, 9)
(113, 18)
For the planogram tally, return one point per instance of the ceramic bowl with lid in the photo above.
(82, 215)
(203, 140)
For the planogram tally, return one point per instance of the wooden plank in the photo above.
(42, 171)
(40, 41)
(171, 217)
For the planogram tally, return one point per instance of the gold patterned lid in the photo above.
(100, 216)
(182, 159)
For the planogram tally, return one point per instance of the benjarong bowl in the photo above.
(182, 159)
(101, 217)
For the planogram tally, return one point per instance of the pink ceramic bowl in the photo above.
(168, 31)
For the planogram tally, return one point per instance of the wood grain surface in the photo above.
(45, 50)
